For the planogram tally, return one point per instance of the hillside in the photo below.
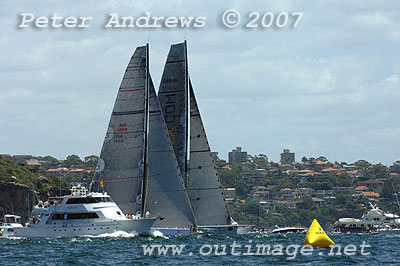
(20, 183)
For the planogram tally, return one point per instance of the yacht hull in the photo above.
(140, 226)
(212, 229)
(219, 229)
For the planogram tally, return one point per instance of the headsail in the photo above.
(166, 194)
(173, 100)
(120, 167)
(204, 188)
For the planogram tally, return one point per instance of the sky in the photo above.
(328, 87)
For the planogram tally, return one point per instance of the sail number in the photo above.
(121, 129)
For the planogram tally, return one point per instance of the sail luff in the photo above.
(146, 122)
(185, 173)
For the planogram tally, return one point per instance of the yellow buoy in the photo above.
(317, 237)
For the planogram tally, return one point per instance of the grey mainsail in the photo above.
(204, 188)
(173, 100)
(121, 164)
(166, 194)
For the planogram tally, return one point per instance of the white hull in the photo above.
(219, 229)
(140, 226)
(6, 231)
(213, 229)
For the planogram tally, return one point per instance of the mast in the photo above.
(146, 121)
(185, 174)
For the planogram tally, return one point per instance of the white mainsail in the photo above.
(173, 97)
(204, 187)
(121, 165)
(166, 194)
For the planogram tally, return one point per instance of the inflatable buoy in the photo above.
(317, 237)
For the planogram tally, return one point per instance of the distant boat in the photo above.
(11, 221)
(81, 214)
(373, 220)
(290, 229)
(180, 110)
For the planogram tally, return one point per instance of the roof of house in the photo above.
(305, 171)
(352, 172)
(283, 202)
(371, 194)
(360, 188)
(77, 170)
(34, 163)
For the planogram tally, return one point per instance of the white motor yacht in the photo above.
(10, 222)
(82, 213)
(370, 221)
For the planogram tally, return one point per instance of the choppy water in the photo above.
(127, 249)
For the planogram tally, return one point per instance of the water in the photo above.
(126, 249)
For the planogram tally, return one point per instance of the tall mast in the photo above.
(146, 119)
(185, 175)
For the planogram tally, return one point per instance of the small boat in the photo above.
(290, 229)
(11, 222)
(79, 214)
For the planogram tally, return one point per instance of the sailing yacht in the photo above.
(137, 164)
(180, 110)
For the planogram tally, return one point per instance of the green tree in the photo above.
(387, 191)
(73, 160)
(362, 164)
(308, 203)
(91, 161)
(322, 159)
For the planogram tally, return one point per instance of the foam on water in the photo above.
(157, 233)
(116, 234)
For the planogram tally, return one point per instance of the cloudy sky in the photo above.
(330, 86)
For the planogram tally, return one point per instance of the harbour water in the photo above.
(127, 249)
